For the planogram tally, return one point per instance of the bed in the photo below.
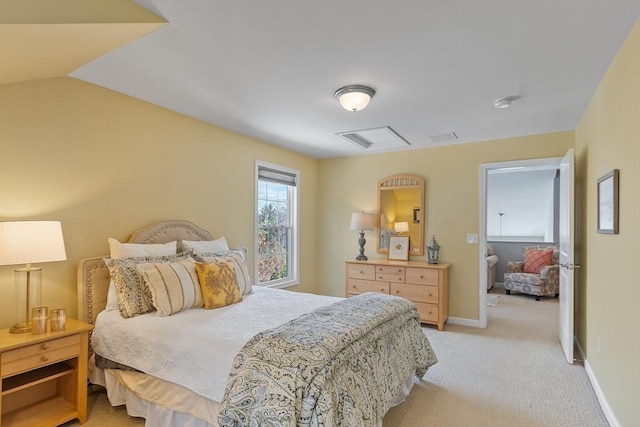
(275, 358)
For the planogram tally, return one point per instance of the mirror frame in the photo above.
(404, 182)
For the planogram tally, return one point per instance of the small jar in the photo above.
(57, 319)
(39, 320)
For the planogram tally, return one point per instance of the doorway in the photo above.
(533, 167)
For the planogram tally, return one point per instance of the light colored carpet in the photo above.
(492, 300)
(511, 374)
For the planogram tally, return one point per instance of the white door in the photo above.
(566, 237)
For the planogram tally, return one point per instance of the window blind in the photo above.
(277, 176)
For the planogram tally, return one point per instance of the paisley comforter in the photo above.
(342, 364)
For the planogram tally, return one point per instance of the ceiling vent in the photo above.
(443, 137)
(376, 138)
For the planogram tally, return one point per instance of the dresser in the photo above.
(424, 284)
(44, 377)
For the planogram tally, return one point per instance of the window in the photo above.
(276, 225)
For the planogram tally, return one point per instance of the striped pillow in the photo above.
(535, 259)
(174, 286)
(134, 297)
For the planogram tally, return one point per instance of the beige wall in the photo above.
(452, 205)
(106, 164)
(608, 137)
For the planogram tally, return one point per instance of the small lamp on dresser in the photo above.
(362, 222)
(27, 242)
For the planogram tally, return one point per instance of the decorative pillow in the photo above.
(128, 250)
(535, 259)
(239, 258)
(134, 297)
(219, 284)
(205, 246)
(174, 286)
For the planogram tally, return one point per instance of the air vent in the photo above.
(443, 137)
(375, 139)
(357, 139)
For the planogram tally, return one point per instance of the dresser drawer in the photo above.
(428, 312)
(357, 286)
(390, 273)
(422, 276)
(37, 355)
(361, 271)
(415, 293)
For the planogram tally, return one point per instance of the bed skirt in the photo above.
(165, 404)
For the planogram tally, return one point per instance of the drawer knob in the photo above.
(421, 276)
(399, 270)
(430, 312)
(361, 272)
(430, 295)
(380, 277)
(382, 290)
(44, 358)
(44, 346)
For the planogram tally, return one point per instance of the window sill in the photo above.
(281, 285)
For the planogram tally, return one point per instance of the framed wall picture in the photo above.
(608, 203)
(399, 248)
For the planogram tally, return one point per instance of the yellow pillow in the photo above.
(218, 283)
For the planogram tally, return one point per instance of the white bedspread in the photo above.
(196, 348)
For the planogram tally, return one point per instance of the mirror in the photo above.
(401, 204)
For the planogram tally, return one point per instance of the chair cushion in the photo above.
(531, 279)
(535, 259)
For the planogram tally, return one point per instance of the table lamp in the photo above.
(27, 242)
(362, 222)
(401, 227)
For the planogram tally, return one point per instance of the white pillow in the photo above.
(136, 250)
(112, 297)
(205, 246)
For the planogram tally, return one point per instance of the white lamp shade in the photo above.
(361, 221)
(26, 242)
(401, 227)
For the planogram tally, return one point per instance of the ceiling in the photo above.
(269, 68)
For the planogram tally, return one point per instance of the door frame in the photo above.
(482, 235)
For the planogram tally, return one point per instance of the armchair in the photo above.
(492, 261)
(537, 275)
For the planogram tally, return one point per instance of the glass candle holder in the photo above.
(39, 320)
(57, 319)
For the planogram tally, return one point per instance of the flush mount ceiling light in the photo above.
(506, 102)
(354, 97)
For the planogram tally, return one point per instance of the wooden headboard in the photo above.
(93, 274)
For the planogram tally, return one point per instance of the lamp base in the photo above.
(361, 258)
(20, 328)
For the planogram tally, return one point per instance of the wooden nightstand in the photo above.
(44, 377)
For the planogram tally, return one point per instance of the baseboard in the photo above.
(604, 404)
(465, 322)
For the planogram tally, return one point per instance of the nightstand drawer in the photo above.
(417, 293)
(428, 312)
(360, 271)
(422, 276)
(356, 286)
(37, 355)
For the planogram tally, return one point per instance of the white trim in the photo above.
(604, 404)
(482, 235)
(466, 322)
(295, 253)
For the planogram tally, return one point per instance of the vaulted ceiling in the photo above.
(269, 68)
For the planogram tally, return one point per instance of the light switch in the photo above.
(472, 238)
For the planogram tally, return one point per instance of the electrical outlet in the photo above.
(472, 238)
